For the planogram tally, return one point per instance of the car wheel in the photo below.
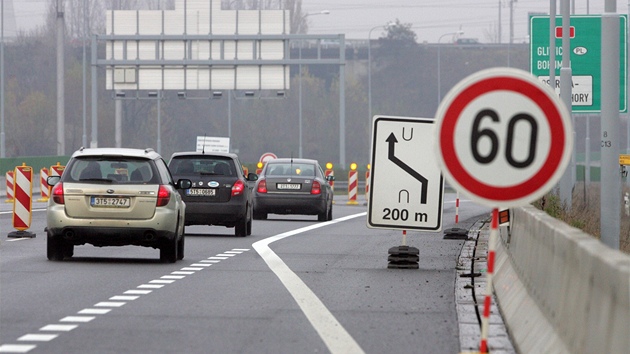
(322, 216)
(180, 248)
(168, 251)
(249, 224)
(68, 250)
(241, 227)
(54, 247)
(260, 216)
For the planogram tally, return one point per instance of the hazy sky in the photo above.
(429, 18)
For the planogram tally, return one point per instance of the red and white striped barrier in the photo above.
(23, 202)
(56, 170)
(485, 320)
(367, 183)
(43, 185)
(353, 187)
(457, 208)
(327, 173)
(10, 187)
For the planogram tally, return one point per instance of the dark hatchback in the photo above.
(293, 186)
(220, 194)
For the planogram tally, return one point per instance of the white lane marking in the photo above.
(182, 273)
(336, 338)
(150, 286)
(218, 258)
(161, 281)
(82, 319)
(226, 255)
(138, 292)
(35, 337)
(110, 304)
(123, 298)
(16, 348)
(19, 239)
(200, 265)
(176, 277)
(211, 261)
(93, 311)
(59, 328)
(192, 269)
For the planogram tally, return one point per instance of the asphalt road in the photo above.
(294, 286)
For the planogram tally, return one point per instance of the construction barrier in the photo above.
(43, 185)
(23, 203)
(10, 187)
(330, 172)
(245, 171)
(57, 170)
(353, 184)
(259, 167)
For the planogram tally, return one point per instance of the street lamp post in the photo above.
(323, 12)
(439, 84)
(370, 67)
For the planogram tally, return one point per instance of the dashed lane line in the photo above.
(117, 301)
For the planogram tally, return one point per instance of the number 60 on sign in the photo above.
(503, 137)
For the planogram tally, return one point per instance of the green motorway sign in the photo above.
(586, 33)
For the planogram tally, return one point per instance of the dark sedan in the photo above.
(293, 186)
(220, 194)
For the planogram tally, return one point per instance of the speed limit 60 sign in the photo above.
(502, 137)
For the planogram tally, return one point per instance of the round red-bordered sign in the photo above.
(268, 156)
(503, 137)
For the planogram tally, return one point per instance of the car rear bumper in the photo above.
(113, 236)
(290, 204)
(162, 227)
(224, 214)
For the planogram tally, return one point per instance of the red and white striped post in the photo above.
(10, 187)
(56, 170)
(330, 172)
(367, 181)
(23, 201)
(43, 185)
(485, 320)
(457, 208)
(353, 184)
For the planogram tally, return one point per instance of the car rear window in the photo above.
(291, 169)
(110, 170)
(202, 165)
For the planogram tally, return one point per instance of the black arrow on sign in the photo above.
(391, 156)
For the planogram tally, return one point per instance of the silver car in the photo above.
(116, 197)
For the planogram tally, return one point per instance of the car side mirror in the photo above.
(183, 183)
(52, 180)
(252, 177)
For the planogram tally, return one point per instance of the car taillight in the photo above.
(262, 186)
(316, 188)
(238, 188)
(57, 193)
(164, 196)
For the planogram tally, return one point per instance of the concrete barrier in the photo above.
(561, 290)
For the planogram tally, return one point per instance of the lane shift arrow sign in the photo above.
(391, 156)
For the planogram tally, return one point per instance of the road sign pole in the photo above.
(566, 183)
(610, 177)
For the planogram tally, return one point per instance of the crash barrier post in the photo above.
(43, 185)
(353, 184)
(10, 187)
(23, 201)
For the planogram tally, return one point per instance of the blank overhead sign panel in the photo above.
(197, 46)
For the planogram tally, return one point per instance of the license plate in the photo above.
(110, 202)
(288, 186)
(204, 192)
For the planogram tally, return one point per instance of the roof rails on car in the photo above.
(148, 150)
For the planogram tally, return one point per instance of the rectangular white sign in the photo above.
(406, 184)
(581, 89)
(213, 144)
